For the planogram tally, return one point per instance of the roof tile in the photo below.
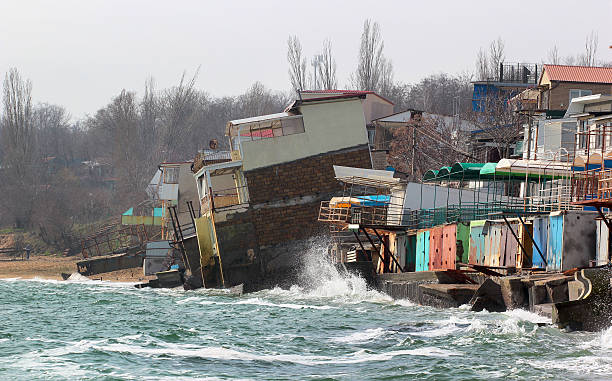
(588, 74)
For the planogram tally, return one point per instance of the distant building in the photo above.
(559, 84)
(259, 209)
(510, 80)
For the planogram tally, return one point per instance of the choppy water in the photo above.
(335, 329)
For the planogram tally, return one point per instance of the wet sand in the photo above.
(51, 267)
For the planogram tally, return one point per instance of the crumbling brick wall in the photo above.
(284, 208)
(309, 176)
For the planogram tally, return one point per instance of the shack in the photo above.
(259, 209)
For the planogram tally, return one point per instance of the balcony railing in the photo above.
(224, 199)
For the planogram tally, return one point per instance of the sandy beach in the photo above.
(51, 267)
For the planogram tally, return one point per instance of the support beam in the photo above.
(388, 251)
(514, 234)
(361, 245)
(532, 240)
(607, 222)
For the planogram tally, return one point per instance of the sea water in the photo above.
(331, 328)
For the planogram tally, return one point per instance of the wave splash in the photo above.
(319, 278)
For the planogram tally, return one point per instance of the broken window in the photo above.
(171, 175)
(274, 128)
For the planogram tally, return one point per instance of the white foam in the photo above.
(221, 353)
(361, 336)
(605, 339)
(527, 316)
(404, 303)
(76, 277)
(293, 306)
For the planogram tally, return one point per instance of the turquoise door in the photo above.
(540, 238)
(422, 251)
(555, 243)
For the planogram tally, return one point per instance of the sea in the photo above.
(329, 327)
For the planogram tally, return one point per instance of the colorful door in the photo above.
(463, 239)
(411, 247)
(422, 251)
(477, 242)
(540, 238)
(555, 243)
(449, 246)
(510, 247)
(524, 258)
(436, 248)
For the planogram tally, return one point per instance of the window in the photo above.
(371, 134)
(576, 93)
(171, 175)
(582, 128)
(275, 128)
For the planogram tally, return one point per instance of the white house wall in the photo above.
(328, 127)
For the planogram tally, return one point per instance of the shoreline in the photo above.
(51, 268)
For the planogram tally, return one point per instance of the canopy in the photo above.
(430, 175)
(518, 168)
(466, 171)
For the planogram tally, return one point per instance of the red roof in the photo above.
(346, 92)
(589, 74)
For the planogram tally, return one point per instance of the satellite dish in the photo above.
(213, 144)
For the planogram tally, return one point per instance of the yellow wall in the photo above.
(205, 239)
(328, 127)
(545, 80)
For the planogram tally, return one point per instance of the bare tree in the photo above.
(498, 122)
(297, 64)
(488, 62)
(570, 60)
(496, 55)
(590, 49)
(371, 59)
(425, 143)
(553, 56)
(18, 140)
(386, 78)
(482, 65)
(327, 67)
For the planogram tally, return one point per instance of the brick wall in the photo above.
(310, 176)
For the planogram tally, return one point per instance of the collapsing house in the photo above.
(258, 210)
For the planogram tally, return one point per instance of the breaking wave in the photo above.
(319, 278)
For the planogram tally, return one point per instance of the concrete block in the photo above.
(514, 293)
(557, 292)
(537, 295)
(575, 289)
(488, 297)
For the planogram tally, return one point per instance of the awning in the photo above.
(466, 171)
(518, 169)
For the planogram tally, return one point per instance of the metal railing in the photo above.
(224, 199)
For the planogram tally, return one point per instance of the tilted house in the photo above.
(259, 209)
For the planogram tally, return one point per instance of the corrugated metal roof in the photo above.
(590, 74)
(346, 92)
(400, 117)
(260, 118)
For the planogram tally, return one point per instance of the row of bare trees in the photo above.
(58, 174)
(374, 70)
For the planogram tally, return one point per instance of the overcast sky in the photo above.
(81, 53)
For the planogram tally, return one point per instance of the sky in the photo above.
(80, 54)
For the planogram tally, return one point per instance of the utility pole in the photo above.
(413, 151)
